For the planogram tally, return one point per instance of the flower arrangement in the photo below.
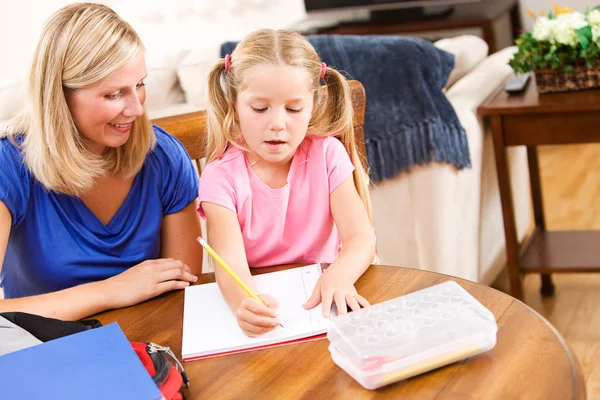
(563, 49)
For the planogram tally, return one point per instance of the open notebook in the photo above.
(210, 328)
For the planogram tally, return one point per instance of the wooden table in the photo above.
(530, 361)
(530, 119)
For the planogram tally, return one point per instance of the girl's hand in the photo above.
(332, 287)
(147, 280)
(256, 319)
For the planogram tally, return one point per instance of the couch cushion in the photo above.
(12, 100)
(473, 88)
(162, 86)
(193, 72)
(468, 50)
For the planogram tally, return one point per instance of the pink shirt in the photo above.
(292, 224)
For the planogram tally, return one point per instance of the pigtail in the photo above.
(336, 109)
(219, 115)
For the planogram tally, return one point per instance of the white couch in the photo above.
(440, 219)
(433, 217)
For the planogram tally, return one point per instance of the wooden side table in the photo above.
(530, 119)
(481, 15)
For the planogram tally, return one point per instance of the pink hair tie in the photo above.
(227, 62)
(323, 70)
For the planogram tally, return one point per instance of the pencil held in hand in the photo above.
(231, 272)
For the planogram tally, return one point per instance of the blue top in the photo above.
(56, 242)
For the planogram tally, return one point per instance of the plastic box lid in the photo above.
(441, 322)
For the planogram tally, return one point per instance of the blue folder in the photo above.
(95, 364)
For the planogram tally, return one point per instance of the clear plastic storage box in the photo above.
(412, 334)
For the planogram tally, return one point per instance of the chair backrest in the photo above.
(190, 128)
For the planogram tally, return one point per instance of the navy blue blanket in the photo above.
(408, 121)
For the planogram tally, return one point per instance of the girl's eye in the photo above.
(141, 84)
(259, 110)
(294, 110)
(113, 96)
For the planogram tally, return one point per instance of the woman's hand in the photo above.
(333, 287)
(254, 318)
(146, 280)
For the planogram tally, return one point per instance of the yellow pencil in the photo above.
(231, 272)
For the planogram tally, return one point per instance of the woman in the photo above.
(97, 207)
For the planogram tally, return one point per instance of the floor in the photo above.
(571, 195)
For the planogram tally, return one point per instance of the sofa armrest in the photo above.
(472, 89)
(468, 51)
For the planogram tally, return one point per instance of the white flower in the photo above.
(596, 33)
(542, 28)
(563, 30)
(594, 19)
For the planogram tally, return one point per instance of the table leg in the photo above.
(547, 288)
(536, 187)
(508, 213)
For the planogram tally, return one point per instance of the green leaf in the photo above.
(551, 15)
(584, 35)
(568, 68)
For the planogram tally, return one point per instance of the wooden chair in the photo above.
(190, 128)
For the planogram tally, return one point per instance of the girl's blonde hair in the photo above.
(80, 45)
(332, 111)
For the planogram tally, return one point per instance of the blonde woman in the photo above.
(97, 207)
(279, 187)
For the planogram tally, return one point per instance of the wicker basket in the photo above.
(556, 80)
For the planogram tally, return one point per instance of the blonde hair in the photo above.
(332, 111)
(80, 45)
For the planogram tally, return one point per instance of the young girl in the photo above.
(279, 188)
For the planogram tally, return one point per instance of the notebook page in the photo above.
(310, 276)
(209, 326)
